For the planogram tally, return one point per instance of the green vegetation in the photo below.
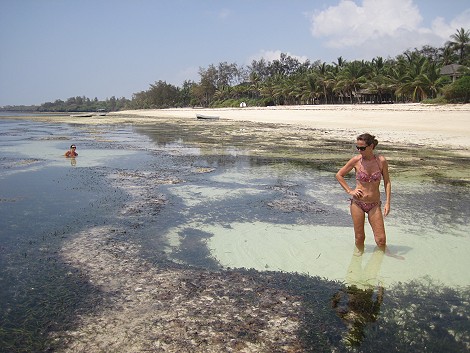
(458, 91)
(73, 104)
(83, 104)
(414, 76)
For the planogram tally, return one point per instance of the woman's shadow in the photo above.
(359, 303)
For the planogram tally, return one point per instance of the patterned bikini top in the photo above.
(362, 176)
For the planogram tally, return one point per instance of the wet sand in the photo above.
(173, 310)
(433, 126)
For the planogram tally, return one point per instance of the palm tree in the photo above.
(434, 81)
(447, 55)
(310, 88)
(410, 67)
(419, 77)
(267, 90)
(222, 93)
(322, 78)
(460, 41)
(381, 87)
(351, 78)
(287, 90)
(379, 80)
(297, 88)
(340, 63)
(255, 84)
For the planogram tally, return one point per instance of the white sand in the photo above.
(428, 125)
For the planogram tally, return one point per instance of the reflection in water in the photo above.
(73, 162)
(367, 277)
(359, 304)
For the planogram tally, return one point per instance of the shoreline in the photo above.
(410, 124)
(446, 126)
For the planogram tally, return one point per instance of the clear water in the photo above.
(244, 211)
(312, 233)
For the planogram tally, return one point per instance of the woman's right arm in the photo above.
(343, 172)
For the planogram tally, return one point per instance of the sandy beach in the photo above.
(433, 126)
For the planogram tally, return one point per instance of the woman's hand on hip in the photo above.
(358, 193)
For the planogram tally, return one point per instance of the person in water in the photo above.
(71, 152)
(365, 197)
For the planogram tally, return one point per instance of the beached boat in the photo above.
(202, 116)
(101, 112)
(86, 115)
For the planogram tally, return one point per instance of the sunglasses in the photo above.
(361, 148)
(74, 147)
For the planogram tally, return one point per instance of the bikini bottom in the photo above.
(366, 206)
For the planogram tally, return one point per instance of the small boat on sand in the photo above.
(86, 115)
(209, 117)
(101, 112)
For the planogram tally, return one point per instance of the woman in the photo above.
(370, 168)
(71, 153)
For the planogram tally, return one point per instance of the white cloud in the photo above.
(271, 55)
(445, 30)
(380, 27)
(349, 24)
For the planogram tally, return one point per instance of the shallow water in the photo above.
(283, 219)
(272, 214)
(212, 205)
(261, 213)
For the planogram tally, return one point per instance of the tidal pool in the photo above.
(215, 196)
(279, 214)
(286, 218)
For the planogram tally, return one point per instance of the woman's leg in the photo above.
(376, 221)
(358, 217)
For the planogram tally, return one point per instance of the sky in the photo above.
(56, 49)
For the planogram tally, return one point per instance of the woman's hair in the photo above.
(369, 139)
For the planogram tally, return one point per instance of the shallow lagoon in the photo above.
(283, 215)
(225, 205)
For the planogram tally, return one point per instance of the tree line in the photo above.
(74, 104)
(413, 76)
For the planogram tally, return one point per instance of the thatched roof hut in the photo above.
(452, 70)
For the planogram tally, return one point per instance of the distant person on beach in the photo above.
(71, 152)
(365, 197)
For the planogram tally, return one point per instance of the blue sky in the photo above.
(56, 49)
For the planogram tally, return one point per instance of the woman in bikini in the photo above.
(71, 153)
(370, 168)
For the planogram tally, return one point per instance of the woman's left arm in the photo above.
(387, 184)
